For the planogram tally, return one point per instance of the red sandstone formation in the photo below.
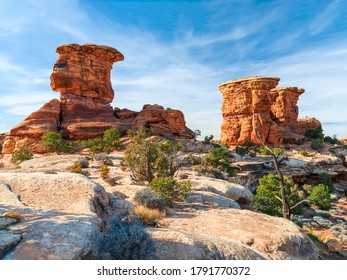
(246, 106)
(160, 121)
(255, 110)
(84, 70)
(284, 110)
(30, 131)
(307, 123)
(82, 76)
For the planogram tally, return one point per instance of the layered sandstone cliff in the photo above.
(253, 109)
(82, 76)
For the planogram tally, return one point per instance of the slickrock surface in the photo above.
(253, 109)
(274, 237)
(176, 245)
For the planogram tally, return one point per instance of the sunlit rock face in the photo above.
(255, 110)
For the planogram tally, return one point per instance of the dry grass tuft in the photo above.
(150, 217)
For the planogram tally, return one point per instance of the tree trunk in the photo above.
(149, 173)
(285, 205)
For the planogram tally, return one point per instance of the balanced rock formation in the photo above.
(161, 122)
(82, 76)
(255, 110)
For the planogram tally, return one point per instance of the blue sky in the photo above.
(177, 53)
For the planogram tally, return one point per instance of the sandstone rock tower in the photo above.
(82, 76)
(255, 110)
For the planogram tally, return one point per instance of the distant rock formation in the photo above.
(162, 122)
(82, 76)
(255, 110)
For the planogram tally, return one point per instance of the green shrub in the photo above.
(304, 153)
(107, 143)
(268, 192)
(248, 148)
(278, 151)
(265, 152)
(320, 197)
(20, 154)
(208, 139)
(54, 142)
(111, 140)
(147, 161)
(150, 199)
(316, 144)
(332, 151)
(324, 179)
(315, 134)
(108, 161)
(193, 160)
(170, 189)
(331, 140)
(197, 133)
(218, 159)
(123, 238)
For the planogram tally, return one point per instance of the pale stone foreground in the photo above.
(58, 219)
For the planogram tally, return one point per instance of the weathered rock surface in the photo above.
(53, 235)
(246, 109)
(66, 192)
(7, 241)
(233, 191)
(253, 109)
(57, 163)
(58, 216)
(274, 237)
(30, 131)
(212, 198)
(176, 245)
(85, 70)
(284, 109)
(85, 117)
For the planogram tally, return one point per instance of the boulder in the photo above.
(60, 214)
(334, 246)
(276, 238)
(212, 198)
(53, 235)
(233, 191)
(66, 192)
